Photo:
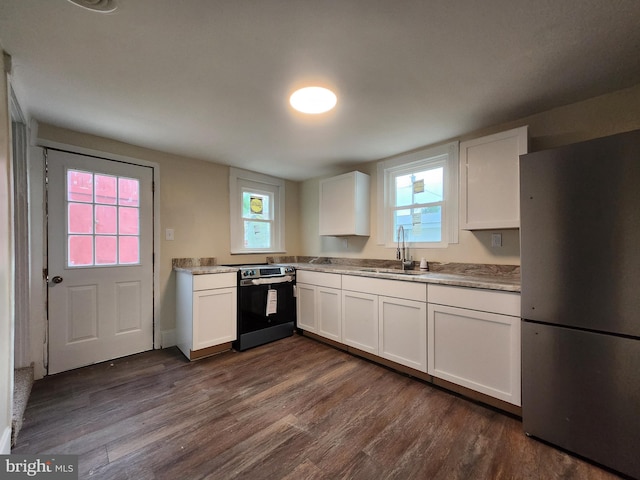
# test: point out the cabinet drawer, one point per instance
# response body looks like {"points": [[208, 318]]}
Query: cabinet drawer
{"points": [[391, 288], [214, 280], [506, 303], [331, 280]]}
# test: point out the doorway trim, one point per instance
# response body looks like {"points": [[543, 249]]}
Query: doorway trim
{"points": [[44, 143], [20, 216]]}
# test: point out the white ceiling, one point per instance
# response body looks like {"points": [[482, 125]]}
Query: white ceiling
{"points": [[210, 79]]}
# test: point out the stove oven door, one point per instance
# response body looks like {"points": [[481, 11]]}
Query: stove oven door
{"points": [[258, 309]]}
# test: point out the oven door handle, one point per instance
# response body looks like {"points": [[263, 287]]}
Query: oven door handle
{"points": [[267, 281]]}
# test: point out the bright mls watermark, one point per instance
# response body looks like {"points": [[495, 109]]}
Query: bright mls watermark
{"points": [[51, 467]]}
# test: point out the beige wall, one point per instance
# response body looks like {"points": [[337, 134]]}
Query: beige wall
{"points": [[194, 201], [597, 117], [6, 269]]}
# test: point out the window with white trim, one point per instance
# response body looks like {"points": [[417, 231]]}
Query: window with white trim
{"points": [[419, 193], [257, 212]]}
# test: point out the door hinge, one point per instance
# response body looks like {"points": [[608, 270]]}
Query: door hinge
{"points": [[153, 187], [45, 274]]}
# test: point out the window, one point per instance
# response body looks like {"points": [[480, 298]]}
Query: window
{"points": [[257, 212], [103, 220], [419, 193]]}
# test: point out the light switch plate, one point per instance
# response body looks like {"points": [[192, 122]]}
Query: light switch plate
{"points": [[168, 234]]}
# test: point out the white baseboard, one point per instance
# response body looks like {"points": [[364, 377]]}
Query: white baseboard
{"points": [[5, 441], [168, 338]]}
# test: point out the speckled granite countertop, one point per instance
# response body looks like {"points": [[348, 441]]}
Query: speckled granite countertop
{"points": [[486, 281], [206, 270], [491, 277], [200, 266]]}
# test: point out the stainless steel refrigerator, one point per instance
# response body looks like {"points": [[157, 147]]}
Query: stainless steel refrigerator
{"points": [[580, 261]]}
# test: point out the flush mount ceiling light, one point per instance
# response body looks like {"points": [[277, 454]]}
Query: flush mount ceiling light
{"points": [[101, 6], [313, 100]]}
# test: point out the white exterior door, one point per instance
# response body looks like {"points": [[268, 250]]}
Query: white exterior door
{"points": [[100, 260]]}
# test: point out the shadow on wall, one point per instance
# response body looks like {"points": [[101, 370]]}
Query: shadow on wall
{"points": [[510, 242], [350, 244]]}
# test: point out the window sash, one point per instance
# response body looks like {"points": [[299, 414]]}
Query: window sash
{"points": [[445, 156], [241, 182], [391, 216]]}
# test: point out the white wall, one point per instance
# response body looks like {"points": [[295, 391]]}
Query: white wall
{"points": [[597, 117], [6, 268]]}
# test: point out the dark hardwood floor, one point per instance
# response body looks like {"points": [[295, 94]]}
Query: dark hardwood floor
{"points": [[294, 409]]}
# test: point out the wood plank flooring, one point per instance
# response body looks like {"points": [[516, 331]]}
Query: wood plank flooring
{"points": [[293, 409]]}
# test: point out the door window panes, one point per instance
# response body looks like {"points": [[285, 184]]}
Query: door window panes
{"points": [[129, 248], [106, 221], [80, 218], [79, 186], [128, 192], [106, 189], [106, 250], [103, 220], [80, 250]]}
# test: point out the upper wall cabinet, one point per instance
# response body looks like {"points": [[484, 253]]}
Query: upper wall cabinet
{"points": [[344, 204], [489, 180]]}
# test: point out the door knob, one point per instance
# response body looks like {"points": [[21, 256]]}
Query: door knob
{"points": [[57, 279]]}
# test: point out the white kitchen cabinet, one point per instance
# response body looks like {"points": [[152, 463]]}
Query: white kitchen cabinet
{"points": [[360, 321], [306, 307], [344, 205], [387, 318], [329, 313], [319, 303], [474, 339], [490, 180], [206, 313], [403, 332]]}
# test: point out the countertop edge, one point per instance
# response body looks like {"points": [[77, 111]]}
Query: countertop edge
{"points": [[206, 270], [488, 282]]}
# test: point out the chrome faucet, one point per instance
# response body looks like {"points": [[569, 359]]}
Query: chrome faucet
{"points": [[401, 253]]}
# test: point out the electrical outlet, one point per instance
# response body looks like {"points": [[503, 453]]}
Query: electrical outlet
{"points": [[168, 234], [496, 239]]}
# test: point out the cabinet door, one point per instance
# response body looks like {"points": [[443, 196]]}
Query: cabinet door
{"points": [[478, 350], [489, 180], [360, 321], [306, 307], [214, 317], [403, 332], [344, 204], [329, 313]]}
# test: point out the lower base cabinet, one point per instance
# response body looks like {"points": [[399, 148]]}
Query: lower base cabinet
{"points": [[206, 313], [387, 318], [319, 306], [403, 332], [329, 313], [473, 347], [465, 336], [360, 321], [306, 307]]}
